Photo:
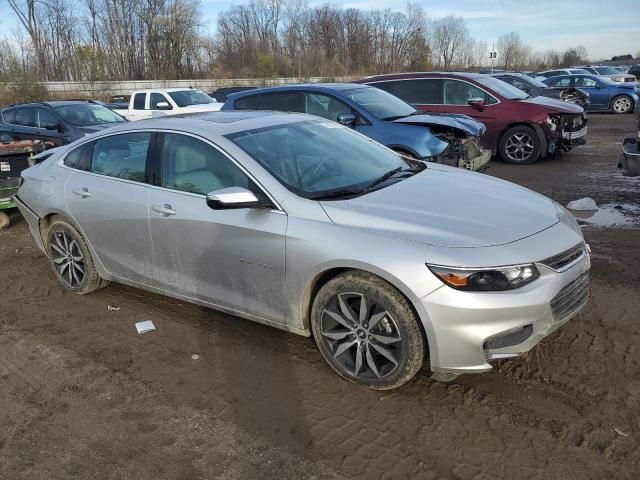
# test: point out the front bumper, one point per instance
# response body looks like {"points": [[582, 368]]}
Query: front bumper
{"points": [[470, 329]]}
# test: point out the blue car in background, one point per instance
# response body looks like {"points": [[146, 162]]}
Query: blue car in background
{"points": [[605, 95], [448, 139]]}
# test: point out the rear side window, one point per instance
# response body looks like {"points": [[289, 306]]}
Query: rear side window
{"points": [[561, 82], [246, 103], [80, 158], [9, 115], [138, 101], [122, 156], [423, 91], [284, 102]]}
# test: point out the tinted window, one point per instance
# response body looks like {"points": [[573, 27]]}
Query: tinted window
{"points": [[155, 99], [325, 106], [45, 118], [25, 117], [190, 165], [87, 114], [80, 158], [423, 91], [552, 73], [9, 115], [121, 156], [317, 156], [284, 102], [246, 103], [138, 101]]}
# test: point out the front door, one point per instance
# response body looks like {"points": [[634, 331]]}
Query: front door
{"points": [[233, 258], [109, 202]]}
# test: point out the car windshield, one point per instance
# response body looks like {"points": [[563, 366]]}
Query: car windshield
{"points": [[379, 103], [314, 158], [606, 71], [87, 114], [502, 88], [530, 80], [184, 98]]}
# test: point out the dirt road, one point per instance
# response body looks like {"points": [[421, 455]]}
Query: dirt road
{"points": [[209, 396]]}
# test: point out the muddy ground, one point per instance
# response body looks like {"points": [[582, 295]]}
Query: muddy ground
{"points": [[209, 395]]}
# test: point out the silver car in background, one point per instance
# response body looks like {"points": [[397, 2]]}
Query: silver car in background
{"points": [[306, 225]]}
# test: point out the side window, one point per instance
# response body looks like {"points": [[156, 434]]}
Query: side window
{"points": [[284, 102], [155, 99], [562, 82], [324, 106], [121, 156], [190, 165], [9, 115], [25, 117], [423, 91], [138, 101], [44, 119], [246, 103], [80, 158], [585, 82], [459, 93]]}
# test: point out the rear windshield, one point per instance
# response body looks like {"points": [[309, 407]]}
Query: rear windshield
{"points": [[502, 88]]}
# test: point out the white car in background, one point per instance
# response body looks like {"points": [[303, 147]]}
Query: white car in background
{"points": [[561, 71], [610, 72], [161, 102]]}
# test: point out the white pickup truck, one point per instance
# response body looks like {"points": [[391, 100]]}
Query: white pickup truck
{"points": [[160, 102]]}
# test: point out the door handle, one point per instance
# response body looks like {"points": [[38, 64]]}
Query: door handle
{"points": [[164, 209], [83, 192]]}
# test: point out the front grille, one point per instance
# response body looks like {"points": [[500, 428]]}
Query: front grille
{"points": [[561, 260], [571, 298]]}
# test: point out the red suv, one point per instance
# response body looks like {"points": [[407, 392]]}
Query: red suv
{"points": [[521, 129]]}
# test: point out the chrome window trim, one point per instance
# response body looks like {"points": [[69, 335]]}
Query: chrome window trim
{"points": [[166, 130], [498, 101]]}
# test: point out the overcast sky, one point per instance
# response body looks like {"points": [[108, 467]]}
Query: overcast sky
{"points": [[604, 28]]}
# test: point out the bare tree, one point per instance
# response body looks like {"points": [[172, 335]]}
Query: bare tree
{"points": [[448, 35]]}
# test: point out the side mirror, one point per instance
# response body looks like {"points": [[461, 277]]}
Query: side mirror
{"points": [[477, 103], [348, 119], [164, 106], [232, 197]]}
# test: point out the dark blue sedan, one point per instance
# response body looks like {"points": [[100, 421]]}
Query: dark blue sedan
{"points": [[605, 94], [449, 139]]}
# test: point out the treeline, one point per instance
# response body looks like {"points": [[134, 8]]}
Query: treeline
{"points": [[95, 40]]}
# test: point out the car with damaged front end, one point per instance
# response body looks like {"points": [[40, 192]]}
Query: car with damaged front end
{"points": [[452, 140], [305, 225]]}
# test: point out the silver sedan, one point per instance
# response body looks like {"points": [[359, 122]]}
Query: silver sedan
{"points": [[305, 225]]}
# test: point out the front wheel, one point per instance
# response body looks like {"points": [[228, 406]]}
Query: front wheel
{"points": [[71, 259], [622, 104], [519, 145], [367, 331]]}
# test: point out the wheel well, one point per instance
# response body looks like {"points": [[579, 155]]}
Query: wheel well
{"points": [[320, 280], [46, 222]]}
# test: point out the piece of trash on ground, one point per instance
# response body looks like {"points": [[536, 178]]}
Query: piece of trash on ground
{"points": [[586, 203], [145, 327], [195, 356], [113, 307]]}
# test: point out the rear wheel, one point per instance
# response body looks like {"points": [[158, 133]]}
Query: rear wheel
{"points": [[71, 259], [622, 104], [367, 331], [519, 145]]}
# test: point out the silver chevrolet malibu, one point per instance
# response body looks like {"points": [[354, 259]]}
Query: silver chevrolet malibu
{"points": [[305, 225]]}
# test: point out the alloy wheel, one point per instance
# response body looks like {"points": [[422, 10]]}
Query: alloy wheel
{"points": [[363, 337], [67, 259], [519, 147], [622, 105]]}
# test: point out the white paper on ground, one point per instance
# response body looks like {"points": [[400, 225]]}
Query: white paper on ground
{"points": [[144, 327], [586, 203]]}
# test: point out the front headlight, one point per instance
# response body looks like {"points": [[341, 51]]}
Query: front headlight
{"points": [[494, 279]]}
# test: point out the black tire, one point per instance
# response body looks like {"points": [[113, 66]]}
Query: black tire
{"points": [[66, 246], [622, 104], [519, 145], [393, 331]]}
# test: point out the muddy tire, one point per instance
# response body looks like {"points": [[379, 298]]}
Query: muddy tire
{"points": [[367, 331], [71, 259], [622, 104], [519, 145], [5, 221]]}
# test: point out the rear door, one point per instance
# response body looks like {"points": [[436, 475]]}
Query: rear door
{"points": [[139, 107], [232, 258], [108, 195]]}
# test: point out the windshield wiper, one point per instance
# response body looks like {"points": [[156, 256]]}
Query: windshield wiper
{"points": [[335, 194], [391, 173]]}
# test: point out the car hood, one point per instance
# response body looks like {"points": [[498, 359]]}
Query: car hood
{"points": [[448, 207], [557, 106], [458, 122]]}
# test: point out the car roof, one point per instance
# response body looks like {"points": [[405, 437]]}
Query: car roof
{"points": [[316, 87], [218, 123], [390, 76], [53, 103], [162, 89]]}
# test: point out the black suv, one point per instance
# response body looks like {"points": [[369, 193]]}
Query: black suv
{"points": [[635, 71], [56, 123]]}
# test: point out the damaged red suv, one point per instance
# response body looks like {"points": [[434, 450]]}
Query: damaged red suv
{"points": [[521, 129]]}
